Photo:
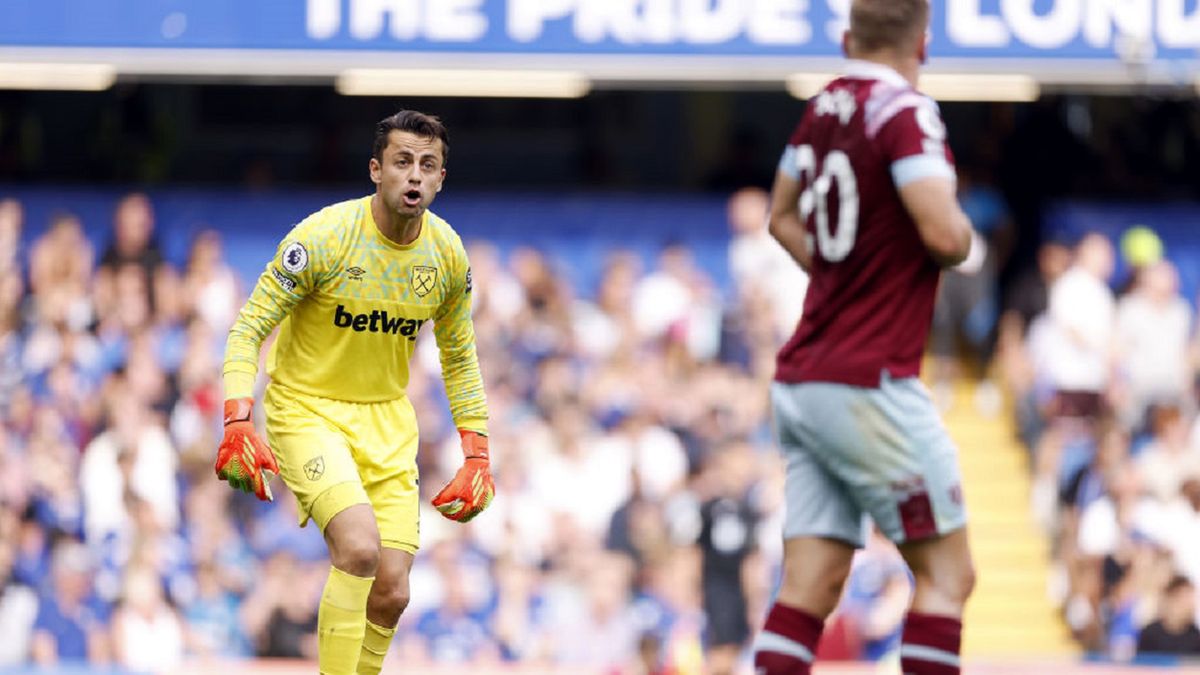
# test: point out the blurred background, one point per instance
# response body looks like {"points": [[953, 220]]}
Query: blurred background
{"points": [[608, 171]]}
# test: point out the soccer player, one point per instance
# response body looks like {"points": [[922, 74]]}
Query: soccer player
{"points": [[350, 288], [864, 199]]}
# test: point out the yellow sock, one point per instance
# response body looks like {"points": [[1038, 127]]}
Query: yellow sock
{"points": [[341, 620], [374, 649]]}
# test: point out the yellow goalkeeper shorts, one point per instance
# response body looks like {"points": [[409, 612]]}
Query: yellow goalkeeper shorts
{"points": [[335, 454]]}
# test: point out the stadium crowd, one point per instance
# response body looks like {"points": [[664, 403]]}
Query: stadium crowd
{"points": [[1104, 375], [639, 490], [636, 528]]}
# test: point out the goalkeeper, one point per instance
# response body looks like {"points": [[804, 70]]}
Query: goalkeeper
{"points": [[350, 288]]}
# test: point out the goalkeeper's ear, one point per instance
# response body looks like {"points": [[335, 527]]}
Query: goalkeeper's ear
{"points": [[375, 169]]}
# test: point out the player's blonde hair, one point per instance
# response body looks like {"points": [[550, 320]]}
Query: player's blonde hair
{"points": [[877, 25]]}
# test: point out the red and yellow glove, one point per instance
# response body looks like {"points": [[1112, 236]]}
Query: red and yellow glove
{"points": [[471, 490], [243, 459]]}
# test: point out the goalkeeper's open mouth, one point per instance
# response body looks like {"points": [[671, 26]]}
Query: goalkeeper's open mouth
{"points": [[412, 198]]}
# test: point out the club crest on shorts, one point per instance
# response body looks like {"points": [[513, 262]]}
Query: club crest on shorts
{"points": [[423, 279], [314, 468]]}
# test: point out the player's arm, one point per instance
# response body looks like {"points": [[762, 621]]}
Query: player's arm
{"points": [[786, 224], [914, 142], [243, 458], [944, 228], [471, 489]]}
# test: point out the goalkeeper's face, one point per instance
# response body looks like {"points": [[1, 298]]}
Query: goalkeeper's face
{"points": [[410, 172]]}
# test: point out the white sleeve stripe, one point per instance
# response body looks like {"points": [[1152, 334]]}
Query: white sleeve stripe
{"points": [[787, 163], [881, 116], [914, 168], [930, 654], [773, 642]]}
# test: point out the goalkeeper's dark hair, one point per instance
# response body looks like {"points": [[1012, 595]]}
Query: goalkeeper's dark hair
{"points": [[887, 24], [427, 126]]}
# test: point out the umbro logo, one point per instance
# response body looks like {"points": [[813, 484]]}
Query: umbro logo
{"points": [[356, 273]]}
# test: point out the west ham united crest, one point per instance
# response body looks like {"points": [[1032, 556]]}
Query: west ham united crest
{"points": [[314, 468], [423, 279]]}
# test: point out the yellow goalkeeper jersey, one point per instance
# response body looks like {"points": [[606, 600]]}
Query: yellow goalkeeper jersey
{"points": [[349, 303]]}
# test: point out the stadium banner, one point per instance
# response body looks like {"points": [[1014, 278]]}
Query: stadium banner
{"points": [[1146, 30]]}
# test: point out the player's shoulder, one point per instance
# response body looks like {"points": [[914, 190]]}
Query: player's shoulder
{"points": [[443, 235], [878, 91], [338, 215], [888, 102], [333, 220], [323, 236], [331, 228]]}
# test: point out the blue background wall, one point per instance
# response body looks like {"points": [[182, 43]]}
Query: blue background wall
{"points": [[576, 230]]}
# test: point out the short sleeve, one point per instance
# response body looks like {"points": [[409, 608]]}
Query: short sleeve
{"points": [[788, 164], [913, 141]]}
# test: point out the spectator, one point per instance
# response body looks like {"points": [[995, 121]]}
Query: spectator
{"points": [[676, 304], [1153, 331], [134, 454], [1179, 528], [1081, 313], [133, 246], [966, 310], [147, 634], [758, 264], [12, 290], [595, 625], [1175, 631], [580, 465], [608, 330], [455, 630], [281, 610], [726, 541], [518, 621], [12, 219], [1029, 296], [71, 625], [638, 529], [1168, 459], [18, 607], [213, 618], [210, 287], [650, 657], [60, 273]]}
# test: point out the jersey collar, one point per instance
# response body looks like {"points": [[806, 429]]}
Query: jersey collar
{"points": [[868, 70], [388, 242]]}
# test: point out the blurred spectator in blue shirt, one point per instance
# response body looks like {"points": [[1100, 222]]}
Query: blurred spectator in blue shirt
{"points": [[454, 631], [71, 621]]}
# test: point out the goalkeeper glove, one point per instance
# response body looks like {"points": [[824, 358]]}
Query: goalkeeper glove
{"points": [[471, 490], [243, 459]]}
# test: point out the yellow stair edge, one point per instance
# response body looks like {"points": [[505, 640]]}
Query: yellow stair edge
{"points": [[1010, 613]]}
